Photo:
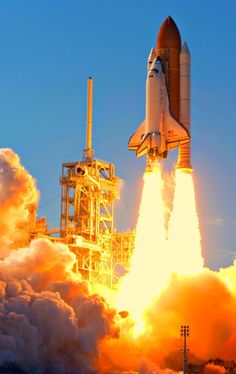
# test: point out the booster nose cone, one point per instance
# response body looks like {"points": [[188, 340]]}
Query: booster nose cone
{"points": [[185, 49], [169, 35]]}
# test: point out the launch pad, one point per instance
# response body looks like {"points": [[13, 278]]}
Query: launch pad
{"points": [[168, 242], [90, 187]]}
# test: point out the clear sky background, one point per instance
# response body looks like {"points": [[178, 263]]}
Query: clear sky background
{"points": [[48, 48]]}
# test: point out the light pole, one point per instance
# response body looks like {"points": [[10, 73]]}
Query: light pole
{"points": [[184, 332]]}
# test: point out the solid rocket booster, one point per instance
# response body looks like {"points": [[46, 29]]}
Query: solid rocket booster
{"points": [[184, 159]]}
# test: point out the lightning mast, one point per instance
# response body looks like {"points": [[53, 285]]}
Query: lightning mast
{"points": [[88, 152]]}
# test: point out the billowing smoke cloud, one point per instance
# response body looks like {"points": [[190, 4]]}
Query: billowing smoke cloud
{"points": [[205, 303], [18, 196], [49, 321], [56, 329], [214, 369]]}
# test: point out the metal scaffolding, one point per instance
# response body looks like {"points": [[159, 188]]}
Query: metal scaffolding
{"points": [[89, 189], [122, 248]]}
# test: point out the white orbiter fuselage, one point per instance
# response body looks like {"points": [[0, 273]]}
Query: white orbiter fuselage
{"points": [[160, 131]]}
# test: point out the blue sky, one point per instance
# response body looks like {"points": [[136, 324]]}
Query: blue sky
{"points": [[47, 51]]}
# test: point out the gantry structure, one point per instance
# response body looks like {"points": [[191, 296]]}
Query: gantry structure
{"points": [[89, 189], [122, 248]]}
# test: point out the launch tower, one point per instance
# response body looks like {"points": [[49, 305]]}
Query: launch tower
{"points": [[89, 189]]}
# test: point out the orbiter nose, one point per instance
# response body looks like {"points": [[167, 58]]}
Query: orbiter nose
{"points": [[157, 65], [151, 58]]}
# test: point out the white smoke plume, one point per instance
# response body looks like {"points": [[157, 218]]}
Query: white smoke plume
{"points": [[18, 194], [49, 323]]}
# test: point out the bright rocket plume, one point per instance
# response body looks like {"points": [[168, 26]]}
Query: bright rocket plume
{"points": [[184, 238], [158, 254], [188, 293], [149, 263]]}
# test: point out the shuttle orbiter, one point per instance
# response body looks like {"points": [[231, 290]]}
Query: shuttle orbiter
{"points": [[160, 131]]}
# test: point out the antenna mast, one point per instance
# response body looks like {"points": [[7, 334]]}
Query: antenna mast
{"points": [[88, 152]]}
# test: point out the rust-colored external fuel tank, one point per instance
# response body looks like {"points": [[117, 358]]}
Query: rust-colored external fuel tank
{"points": [[168, 48]]}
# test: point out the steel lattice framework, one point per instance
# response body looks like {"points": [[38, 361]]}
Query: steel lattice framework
{"points": [[89, 190]]}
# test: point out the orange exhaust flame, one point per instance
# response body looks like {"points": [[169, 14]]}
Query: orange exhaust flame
{"points": [[184, 238], [149, 263], [155, 258]]}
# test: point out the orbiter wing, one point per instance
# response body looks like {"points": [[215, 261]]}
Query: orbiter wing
{"points": [[137, 138], [177, 134]]}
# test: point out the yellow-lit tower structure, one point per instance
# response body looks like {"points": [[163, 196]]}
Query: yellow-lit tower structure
{"points": [[89, 189]]}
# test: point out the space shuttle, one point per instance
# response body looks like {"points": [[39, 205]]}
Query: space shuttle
{"points": [[160, 131], [167, 122]]}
